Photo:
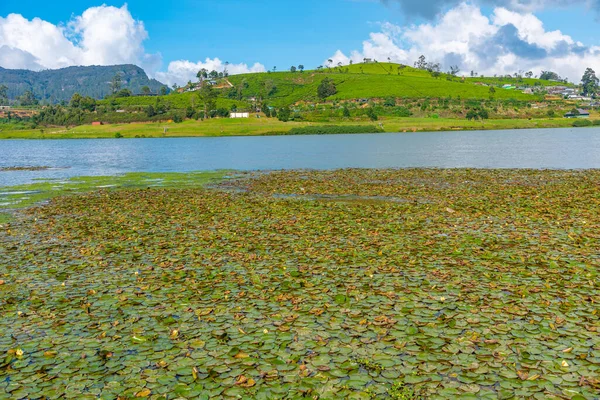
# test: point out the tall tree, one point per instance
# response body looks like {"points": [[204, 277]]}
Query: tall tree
{"points": [[28, 99], [292, 69], [454, 70], [421, 63], [207, 97], [589, 82], [226, 71], [146, 90], [3, 94], [301, 68], [202, 74]]}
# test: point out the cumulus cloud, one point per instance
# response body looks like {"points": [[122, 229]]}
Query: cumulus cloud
{"points": [[431, 8], [503, 43], [103, 35], [182, 71]]}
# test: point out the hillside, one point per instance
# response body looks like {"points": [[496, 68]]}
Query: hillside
{"points": [[54, 86], [354, 82], [367, 81]]}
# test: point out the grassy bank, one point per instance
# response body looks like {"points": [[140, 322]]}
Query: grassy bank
{"points": [[397, 284], [263, 126]]}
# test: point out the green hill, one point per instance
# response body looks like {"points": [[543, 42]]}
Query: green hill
{"points": [[359, 81], [54, 86]]}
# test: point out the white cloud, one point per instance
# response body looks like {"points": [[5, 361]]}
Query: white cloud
{"points": [[504, 43], [182, 71], [103, 35]]}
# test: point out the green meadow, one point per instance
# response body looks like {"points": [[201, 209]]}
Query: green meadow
{"points": [[269, 126]]}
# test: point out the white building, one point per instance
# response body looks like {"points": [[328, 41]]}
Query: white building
{"points": [[240, 115]]}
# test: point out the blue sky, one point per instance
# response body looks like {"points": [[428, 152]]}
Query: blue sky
{"points": [[271, 32], [285, 33]]}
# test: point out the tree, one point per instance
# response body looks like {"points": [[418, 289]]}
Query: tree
{"points": [[472, 114], [146, 90], [326, 88], [284, 114], [454, 70], [75, 100], [529, 74], [372, 114], [421, 63], [301, 68], [117, 83], [226, 71], [207, 97], [163, 91], [213, 74], [150, 111], [492, 91], [3, 94], [202, 74], [28, 99], [346, 112], [589, 82], [292, 69], [549, 76]]}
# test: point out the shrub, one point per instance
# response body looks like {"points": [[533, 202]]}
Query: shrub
{"points": [[284, 114], [334, 129], [371, 114], [346, 112], [403, 112], [580, 123], [118, 135], [326, 88]]}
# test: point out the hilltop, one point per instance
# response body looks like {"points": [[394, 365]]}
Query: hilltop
{"points": [[54, 86]]}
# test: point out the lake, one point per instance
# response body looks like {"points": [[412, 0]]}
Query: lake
{"points": [[536, 148]]}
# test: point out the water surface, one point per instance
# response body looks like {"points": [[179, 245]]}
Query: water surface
{"points": [[536, 148]]}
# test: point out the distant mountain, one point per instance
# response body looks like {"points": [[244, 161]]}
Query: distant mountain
{"points": [[57, 85]]}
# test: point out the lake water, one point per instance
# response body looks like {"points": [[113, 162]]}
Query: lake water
{"points": [[536, 148]]}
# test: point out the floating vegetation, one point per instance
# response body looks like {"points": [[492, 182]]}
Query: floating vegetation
{"points": [[482, 284], [30, 168]]}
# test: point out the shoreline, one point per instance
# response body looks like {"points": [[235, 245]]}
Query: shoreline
{"points": [[250, 127]]}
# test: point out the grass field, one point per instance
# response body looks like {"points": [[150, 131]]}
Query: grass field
{"points": [[365, 284], [263, 126]]}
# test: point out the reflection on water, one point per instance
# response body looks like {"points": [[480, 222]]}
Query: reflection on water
{"points": [[537, 148]]}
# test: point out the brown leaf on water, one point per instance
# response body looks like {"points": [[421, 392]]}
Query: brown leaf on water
{"points": [[143, 393], [245, 382]]}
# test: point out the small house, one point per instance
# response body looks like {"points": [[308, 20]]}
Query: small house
{"points": [[97, 123], [581, 114], [4, 108], [239, 115]]}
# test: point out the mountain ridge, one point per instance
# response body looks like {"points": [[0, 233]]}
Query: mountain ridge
{"points": [[56, 85]]}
